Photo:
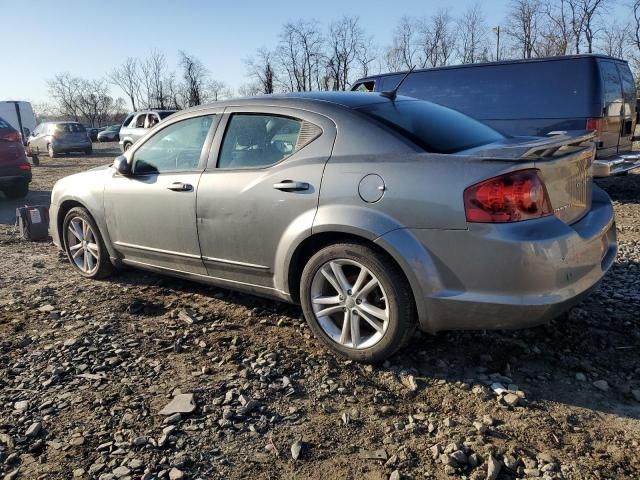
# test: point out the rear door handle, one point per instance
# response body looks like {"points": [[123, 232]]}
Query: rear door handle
{"points": [[180, 187], [291, 186]]}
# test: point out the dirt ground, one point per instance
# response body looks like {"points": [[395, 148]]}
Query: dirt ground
{"points": [[86, 367]]}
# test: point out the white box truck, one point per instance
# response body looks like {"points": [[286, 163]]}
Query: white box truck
{"points": [[19, 115]]}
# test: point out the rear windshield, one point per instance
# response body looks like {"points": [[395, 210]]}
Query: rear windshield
{"points": [[433, 127], [70, 128], [541, 89], [164, 115]]}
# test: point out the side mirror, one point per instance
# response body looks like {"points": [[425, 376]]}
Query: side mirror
{"points": [[121, 165]]}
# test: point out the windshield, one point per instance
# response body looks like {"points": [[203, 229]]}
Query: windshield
{"points": [[433, 127]]}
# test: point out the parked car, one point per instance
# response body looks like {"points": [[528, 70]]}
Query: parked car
{"points": [[536, 97], [15, 170], [376, 214], [55, 138], [138, 123], [110, 134], [19, 115], [92, 132]]}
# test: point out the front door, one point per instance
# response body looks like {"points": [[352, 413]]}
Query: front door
{"points": [[261, 186], [151, 213]]}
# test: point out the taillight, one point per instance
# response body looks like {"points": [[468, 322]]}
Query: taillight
{"points": [[513, 197], [594, 124], [11, 136], [24, 167]]}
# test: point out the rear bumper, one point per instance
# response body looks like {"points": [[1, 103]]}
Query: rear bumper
{"points": [[621, 163], [512, 275], [71, 147]]}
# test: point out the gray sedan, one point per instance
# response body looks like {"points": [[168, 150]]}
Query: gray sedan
{"points": [[378, 215]]}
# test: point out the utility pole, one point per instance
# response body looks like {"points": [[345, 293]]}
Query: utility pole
{"points": [[497, 31]]}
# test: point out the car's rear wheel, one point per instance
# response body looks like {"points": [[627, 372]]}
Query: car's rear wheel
{"points": [[17, 190], [51, 151], [357, 301], [84, 245]]}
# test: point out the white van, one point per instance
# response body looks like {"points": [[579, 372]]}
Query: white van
{"points": [[20, 116]]}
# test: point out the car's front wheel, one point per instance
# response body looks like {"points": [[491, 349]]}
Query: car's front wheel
{"points": [[17, 190], [84, 245], [126, 146], [357, 301]]}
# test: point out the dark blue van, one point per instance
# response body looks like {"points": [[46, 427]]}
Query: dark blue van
{"points": [[536, 97]]}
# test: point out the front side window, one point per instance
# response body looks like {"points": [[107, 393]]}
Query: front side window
{"points": [[256, 141], [175, 148]]}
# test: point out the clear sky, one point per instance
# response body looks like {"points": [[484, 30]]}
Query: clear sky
{"points": [[89, 38]]}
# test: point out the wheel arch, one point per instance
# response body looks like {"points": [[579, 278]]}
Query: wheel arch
{"points": [[70, 203], [399, 245]]}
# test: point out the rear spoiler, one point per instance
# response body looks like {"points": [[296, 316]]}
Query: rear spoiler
{"points": [[555, 144]]}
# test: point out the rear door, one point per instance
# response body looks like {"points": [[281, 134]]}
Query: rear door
{"points": [[611, 125], [261, 184]]}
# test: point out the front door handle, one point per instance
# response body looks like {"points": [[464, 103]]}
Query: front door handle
{"points": [[291, 186], [180, 187]]}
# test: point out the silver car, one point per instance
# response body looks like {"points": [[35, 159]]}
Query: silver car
{"points": [[137, 124], [377, 215], [55, 138]]}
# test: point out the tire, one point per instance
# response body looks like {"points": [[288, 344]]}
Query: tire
{"points": [[35, 159], [126, 146], [97, 264], [52, 153], [19, 190], [88, 151], [390, 299]]}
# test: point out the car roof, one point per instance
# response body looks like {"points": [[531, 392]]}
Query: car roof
{"points": [[349, 100], [501, 62]]}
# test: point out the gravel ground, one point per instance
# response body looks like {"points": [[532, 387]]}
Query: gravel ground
{"points": [[144, 376]]}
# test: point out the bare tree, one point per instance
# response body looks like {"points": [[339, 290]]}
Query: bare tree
{"points": [[155, 67], [345, 42], [367, 56], [300, 53], [437, 39], [249, 90], [615, 39], [524, 20], [592, 9], [404, 51], [217, 90], [195, 75], [261, 69], [66, 90], [557, 32], [127, 77], [472, 35]]}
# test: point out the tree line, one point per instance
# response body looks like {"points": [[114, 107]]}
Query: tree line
{"points": [[310, 56]]}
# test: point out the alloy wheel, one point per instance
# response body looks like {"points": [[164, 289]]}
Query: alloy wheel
{"points": [[350, 304], [82, 245]]}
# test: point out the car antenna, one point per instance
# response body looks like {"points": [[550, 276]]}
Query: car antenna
{"points": [[392, 94]]}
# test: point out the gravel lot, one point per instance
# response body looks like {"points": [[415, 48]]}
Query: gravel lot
{"points": [[86, 368]]}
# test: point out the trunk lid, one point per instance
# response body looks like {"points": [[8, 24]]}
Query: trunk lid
{"points": [[565, 163]]}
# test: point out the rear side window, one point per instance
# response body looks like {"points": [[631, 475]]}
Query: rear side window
{"points": [[164, 115], [541, 89], [628, 88], [364, 87], [433, 127], [257, 141], [611, 87]]}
